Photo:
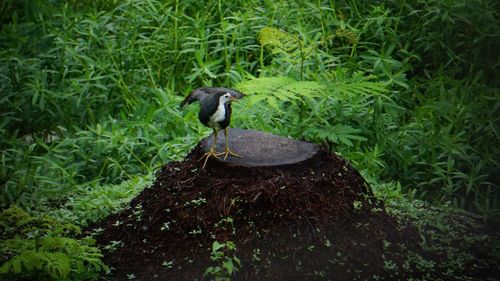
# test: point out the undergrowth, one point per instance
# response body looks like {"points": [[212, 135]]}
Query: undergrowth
{"points": [[44, 248]]}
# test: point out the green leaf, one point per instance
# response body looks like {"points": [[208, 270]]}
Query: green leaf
{"points": [[17, 265], [216, 246], [229, 266]]}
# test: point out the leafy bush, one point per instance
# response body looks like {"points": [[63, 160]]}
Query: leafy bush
{"points": [[36, 248]]}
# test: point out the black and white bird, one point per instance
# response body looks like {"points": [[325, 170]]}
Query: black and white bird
{"points": [[215, 113]]}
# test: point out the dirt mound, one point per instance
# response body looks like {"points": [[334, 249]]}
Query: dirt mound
{"points": [[297, 223], [281, 220]]}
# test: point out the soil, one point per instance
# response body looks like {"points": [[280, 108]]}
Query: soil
{"points": [[304, 222]]}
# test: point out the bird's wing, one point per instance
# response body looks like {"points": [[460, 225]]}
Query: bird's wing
{"points": [[195, 95], [201, 93]]}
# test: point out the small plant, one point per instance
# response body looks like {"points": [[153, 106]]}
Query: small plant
{"points": [[165, 226], [389, 265], [358, 205], [168, 264], [196, 202], [196, 231], [113, 246], [138, 212], [225, 223], [327, 243], [227, 262], [256, 255], [40, 248]]}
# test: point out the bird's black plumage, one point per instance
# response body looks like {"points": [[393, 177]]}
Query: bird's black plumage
{"points": [[206, 92], [210, 106], [209, 101]]}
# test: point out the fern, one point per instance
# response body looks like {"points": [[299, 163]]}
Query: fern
{"points": [[278, 40], [281, 42], [274, 90], [340, 134], [342, 83], [363, 88], [16, 221], [69, 259], [285, 89], [333, 112], [38, 249]]}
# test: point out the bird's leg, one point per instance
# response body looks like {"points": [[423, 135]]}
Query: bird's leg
{"points": [[227, 151], [211, 152]]}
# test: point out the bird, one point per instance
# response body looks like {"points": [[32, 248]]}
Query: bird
{"points": [[215, 112]]}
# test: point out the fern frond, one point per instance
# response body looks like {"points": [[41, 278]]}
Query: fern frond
{"points": [[48, 252], [278, 40], [274, 89], [361, 88], [341, 134], [57, 257]]}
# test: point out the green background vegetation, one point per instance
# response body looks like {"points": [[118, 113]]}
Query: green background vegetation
{"points": [[89, 94]]}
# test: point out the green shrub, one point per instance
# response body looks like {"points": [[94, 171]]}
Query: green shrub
{"points": [[36, 248]]}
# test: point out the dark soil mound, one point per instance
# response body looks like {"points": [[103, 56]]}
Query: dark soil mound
{"points": [[297, 223]]}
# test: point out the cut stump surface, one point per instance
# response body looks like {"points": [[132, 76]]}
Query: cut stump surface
{"points": [[261, 149]]}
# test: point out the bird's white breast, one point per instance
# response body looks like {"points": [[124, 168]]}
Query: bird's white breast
{"points": [[218, 116]]}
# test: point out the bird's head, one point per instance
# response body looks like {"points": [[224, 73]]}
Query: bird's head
{"points": [[226, 98]]}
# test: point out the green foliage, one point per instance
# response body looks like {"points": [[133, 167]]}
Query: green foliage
{"points": [[282, 42], [451, 139], [279, 40], [90, 203], [421, 129], [459, 35], [52, 258], [440, 237], [313, 103], [108, 152], [278, 90], [16, 221], [342, 134], [227, 262], [408, 92], [105, 77], [36, 248]]}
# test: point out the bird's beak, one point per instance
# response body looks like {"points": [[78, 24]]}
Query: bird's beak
{"points": [[231, 99]]}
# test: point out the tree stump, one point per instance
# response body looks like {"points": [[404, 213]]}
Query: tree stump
{"points": [[261, 149]]}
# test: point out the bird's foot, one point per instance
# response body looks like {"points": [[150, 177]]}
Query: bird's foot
{"points": [[228, 152], [207, 155]]}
